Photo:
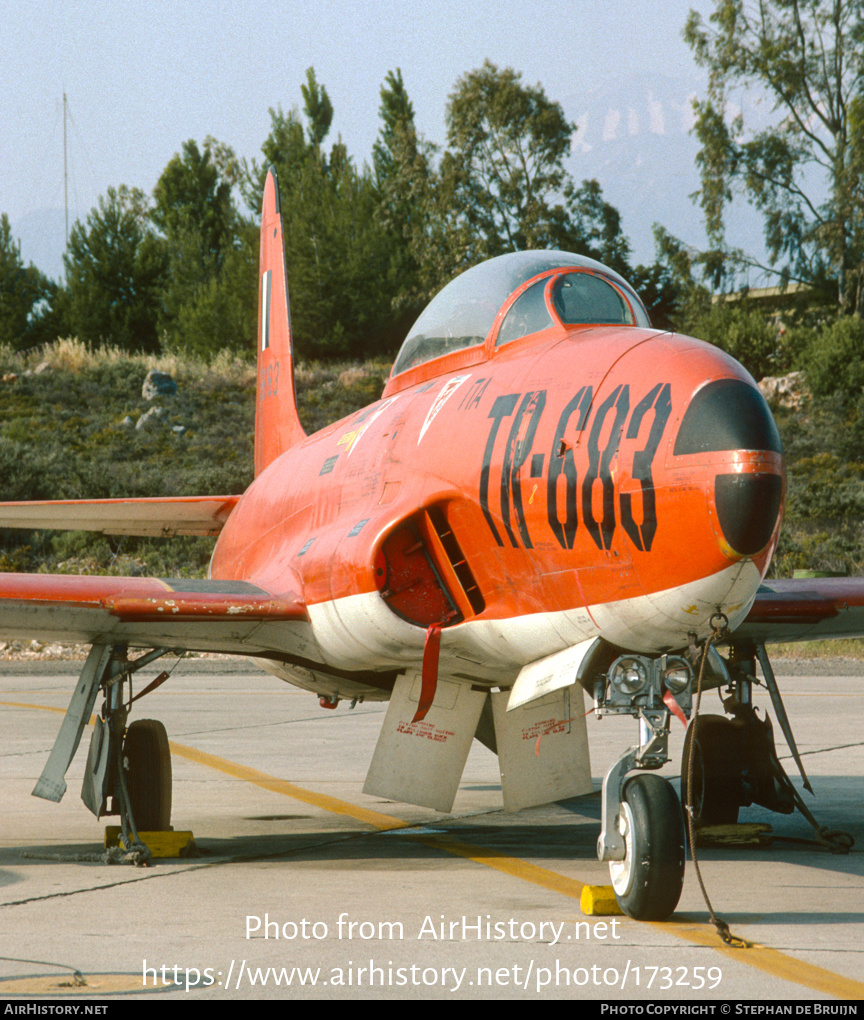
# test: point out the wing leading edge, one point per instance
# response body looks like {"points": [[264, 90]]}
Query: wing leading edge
{"points": [[207, 615], [156, 517], [806, 610]]}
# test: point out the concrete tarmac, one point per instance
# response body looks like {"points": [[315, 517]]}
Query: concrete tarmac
{"points": [[307, 888]]}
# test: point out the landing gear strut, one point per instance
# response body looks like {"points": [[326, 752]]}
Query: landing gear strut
{"points": [[128, 771]]}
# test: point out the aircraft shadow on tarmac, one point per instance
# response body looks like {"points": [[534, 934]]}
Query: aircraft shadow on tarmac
{"points": [[565, 832]]}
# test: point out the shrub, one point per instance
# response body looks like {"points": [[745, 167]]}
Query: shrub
{"points": [[834, 358], [749, 334]]}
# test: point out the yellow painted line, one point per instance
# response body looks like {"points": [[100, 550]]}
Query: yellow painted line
{"points": [[763, 958], [513, 866], [770, 961], [262, 779], [44, 708]]}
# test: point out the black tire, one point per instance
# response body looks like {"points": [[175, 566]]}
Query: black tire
{"points": [[715, 784], [649, 880], [147, 766]]}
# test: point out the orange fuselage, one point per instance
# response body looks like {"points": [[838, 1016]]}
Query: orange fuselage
{"points": [[544, 478]]}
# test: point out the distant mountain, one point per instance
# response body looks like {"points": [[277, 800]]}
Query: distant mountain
{"points": [[638, 145]]}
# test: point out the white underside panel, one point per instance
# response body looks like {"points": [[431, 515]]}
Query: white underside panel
{"points": [[542, 749], [421, 763], [360, 631]]}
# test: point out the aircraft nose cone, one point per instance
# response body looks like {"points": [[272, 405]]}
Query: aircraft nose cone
{"points": [[748, 506], [729, 423]]}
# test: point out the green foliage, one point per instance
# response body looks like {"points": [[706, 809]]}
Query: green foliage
{"points": [[191, 193], [401, 175], [318, 108], [804, 173], [220, 313], [328, 392], [746, 332], [834, 358], [337, 249], [500, 186], [397, 121], [115, 267], [823, 527], [592, 227], [366, 248], [659, 291], [62, 436], [208, 302], [508, 143]]}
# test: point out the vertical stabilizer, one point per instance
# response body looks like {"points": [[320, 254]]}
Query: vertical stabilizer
{"points": [[277, 426]]}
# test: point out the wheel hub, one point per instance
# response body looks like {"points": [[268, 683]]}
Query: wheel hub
{"points": [[621, 872]]}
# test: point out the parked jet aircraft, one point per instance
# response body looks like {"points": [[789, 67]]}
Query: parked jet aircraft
{"points": [[550, 497]]}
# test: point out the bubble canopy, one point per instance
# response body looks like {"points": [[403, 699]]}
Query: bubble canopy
{"points": [[462, 314]]}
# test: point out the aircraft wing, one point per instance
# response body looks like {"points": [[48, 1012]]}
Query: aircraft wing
{"points": [[806, 610], [202, 615], [160, 517]]}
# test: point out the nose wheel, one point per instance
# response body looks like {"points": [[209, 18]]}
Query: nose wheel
{"points": [[649, 878]]}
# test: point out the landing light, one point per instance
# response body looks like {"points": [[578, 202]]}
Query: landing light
{"points": [[629, 676], [635, 682], [677, 674]]}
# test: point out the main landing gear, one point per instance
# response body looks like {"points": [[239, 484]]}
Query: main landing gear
{"points": [[729, 763], [128, 768]]}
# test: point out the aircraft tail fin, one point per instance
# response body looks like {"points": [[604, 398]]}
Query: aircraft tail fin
{"points": [[277, 425]]}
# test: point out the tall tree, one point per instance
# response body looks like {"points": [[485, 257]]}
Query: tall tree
{"points": [[402, 173], [204, 239], [191, 193], [336, 247], [803, 172], [115, 266], [502, 184], [319, 109], [221, 312], [398, 130], [508, 143]]}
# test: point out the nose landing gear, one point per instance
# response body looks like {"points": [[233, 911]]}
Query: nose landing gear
{"points": [[642, 831]]}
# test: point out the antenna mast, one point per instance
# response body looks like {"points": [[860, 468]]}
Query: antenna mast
{"points": [[65, 173]]}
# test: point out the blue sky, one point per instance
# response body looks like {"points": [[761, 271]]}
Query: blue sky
{"points": [[141, 78]]}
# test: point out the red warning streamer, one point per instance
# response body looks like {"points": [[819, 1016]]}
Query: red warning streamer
{"points": [[673, 706], [429, 682]]}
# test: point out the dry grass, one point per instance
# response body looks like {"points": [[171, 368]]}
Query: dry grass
{"points": [[70, 354]]}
